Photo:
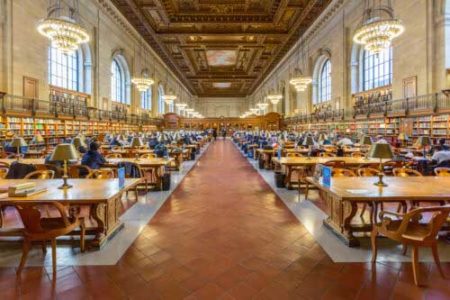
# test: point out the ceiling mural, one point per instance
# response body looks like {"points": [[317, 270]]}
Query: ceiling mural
{"points": [[221, 47]]}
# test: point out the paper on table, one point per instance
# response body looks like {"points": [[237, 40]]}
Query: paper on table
{"points": [[359, 191]]}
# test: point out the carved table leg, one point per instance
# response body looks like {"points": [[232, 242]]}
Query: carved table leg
{"points": [[99, 215], [287, 180]]}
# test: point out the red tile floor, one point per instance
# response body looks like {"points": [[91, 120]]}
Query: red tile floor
{"points": [[224, 234]]}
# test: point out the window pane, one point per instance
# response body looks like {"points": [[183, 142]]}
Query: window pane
{"points": [[377, 69], [63, 69]]}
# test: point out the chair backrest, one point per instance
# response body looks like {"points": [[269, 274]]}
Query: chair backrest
{"points": [[4, 164], [31, 215], [148, 155], [3, 172], [405, 172], [293, 154], [327, 154], [335, 163], [442, 171], [41, 174], [357, 154], [393, 164], [113, 155], [79, 171], [132, 170], [438, 218], [102, 174], [367, 172], [341, 172]]}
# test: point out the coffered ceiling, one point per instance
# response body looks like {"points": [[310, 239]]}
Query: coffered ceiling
{"points": [[221, 47]]}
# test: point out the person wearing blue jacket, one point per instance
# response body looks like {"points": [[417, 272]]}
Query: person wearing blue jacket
{"points": [[93, 159]]}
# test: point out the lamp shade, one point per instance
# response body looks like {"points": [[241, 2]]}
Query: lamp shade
{"points": [[64, 152], [423, 141], [38, 139], [309, 141], [366, 140], [136, 142], [381, 151], [322, 137], [78, 142], [18, 142], [402, 137]]}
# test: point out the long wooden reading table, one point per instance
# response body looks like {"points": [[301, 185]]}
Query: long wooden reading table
{"points": [[103, 197], [291, 162], [344, 194]]}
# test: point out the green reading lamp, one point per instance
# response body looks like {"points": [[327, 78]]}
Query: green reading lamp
{"points": [[78, 142], [136, 143], [422, 142], [64, 152], [366, 141], [18, 143], [309, 141], [402, 137], [381, 151], [38, 139]]}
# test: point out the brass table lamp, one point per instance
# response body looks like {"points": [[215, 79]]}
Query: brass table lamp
{"points": [[366, 141], [78, 142], [136, 143], [64, 152], [18, 143], [381, 151], [422, 142], [402, 137]]}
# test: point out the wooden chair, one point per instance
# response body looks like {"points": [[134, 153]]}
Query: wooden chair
{"points": [[408, 231], [405, 172], [41, 174], [442, 171], [38, 229], [79, 171], [390, 165], [4, 164], [335, 164], [366, 172], [342, 172], [357, 154], [327, 154], [3, 172], [148, 156], [102, 174], [113, 155]]}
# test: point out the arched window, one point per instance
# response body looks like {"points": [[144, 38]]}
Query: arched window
{"points": [[161, 104], [146, 99], [376, 69], [70, 71], [324, 84], [120, 90]]}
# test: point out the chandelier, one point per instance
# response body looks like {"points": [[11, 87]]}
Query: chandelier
{"points": [[63, 31], [169, 99], [253, 110], [379, 26], [181, 106], [142, 83], [262, 106], [274, 98]]}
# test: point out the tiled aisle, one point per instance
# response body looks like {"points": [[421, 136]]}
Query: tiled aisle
{"points": [[224, 234]]}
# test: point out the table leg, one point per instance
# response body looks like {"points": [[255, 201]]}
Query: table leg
{"points": [[287, 180], [107, 217]]}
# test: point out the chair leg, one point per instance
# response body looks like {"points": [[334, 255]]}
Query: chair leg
{"points": [[82, 235], [437, 260], [373, 239], [405, 249], [363, 210], [44, 247], [306, 190], [415, 264], [25, 250], [54, 255]]}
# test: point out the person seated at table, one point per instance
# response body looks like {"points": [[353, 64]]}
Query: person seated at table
{"points": [[115, 142], [92, 158], [152, 142], [344, 141], [10, 149], [443, 145], [381, 140], [339, 151], [440, 155]]}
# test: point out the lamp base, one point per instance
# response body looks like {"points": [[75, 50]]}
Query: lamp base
{"points": [[65, 185], [380, 182]]}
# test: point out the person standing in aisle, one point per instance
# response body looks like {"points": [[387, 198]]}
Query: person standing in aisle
{"points": [[214, 133]]}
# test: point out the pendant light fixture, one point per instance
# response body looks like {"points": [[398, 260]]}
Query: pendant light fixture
{"points": [[300, 81], [275, 98], [379, 26], [169, 98], [142, 83], [62, 26]]}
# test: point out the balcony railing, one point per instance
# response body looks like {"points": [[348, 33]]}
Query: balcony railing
{"points": [[30, 107]]}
